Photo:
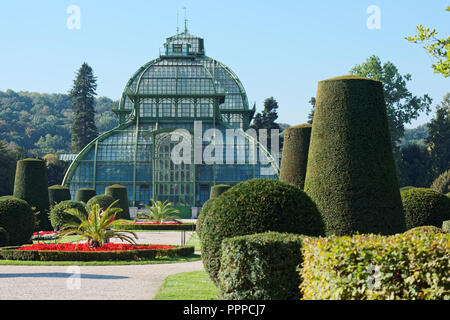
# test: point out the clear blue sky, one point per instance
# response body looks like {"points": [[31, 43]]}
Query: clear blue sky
{"points": [[277, 48]]}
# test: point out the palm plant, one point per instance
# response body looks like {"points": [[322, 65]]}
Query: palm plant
{"points": [[97, 227], [159, 212]]}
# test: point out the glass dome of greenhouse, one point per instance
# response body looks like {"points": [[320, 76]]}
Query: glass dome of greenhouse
{"points": [[182, 89]]}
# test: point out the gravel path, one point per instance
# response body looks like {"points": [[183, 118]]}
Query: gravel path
{"points": [[133, 282]]}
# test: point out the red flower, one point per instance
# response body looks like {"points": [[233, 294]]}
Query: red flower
{"points": [[85, 247]]}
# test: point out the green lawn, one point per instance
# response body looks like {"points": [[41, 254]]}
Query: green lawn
{"points": [[194, 241], [194, 285]]}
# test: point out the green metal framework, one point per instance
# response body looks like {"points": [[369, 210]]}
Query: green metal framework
{"points": [[168, 93]]}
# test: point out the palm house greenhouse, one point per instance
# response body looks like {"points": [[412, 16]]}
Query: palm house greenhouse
{"points": [[182, 91]]}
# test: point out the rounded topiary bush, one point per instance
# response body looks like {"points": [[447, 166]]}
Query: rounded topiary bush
{"points": [[425, 207], [118, 192], [103, 200], [57, 194], [84, 194], [17, 218], [217, 190], [30, 184], [59, 217], [295, 154], [256, 206], [4, 237], [406, 188], [446, 226], [424, 230], [442, 183], [351, 174]]}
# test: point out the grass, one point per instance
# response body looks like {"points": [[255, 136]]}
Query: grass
{"points": [[157, 260], [194, 285], [194, 241]]}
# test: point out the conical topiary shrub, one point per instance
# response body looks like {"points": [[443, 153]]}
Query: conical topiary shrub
{"points": [[31, 185], [217, 190], [119, 192], [351, 174], [84, 194], [57, 194], [295, 154]]}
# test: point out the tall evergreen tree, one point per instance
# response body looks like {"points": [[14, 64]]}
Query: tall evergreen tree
{"points": [[83, 95], [266, 120], [439, 137]]}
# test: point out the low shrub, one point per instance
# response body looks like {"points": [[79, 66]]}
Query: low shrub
{"points": [[256, 206], [11, 253], [406, 188], [103, 200], [375, 267], [18, 219], [425, 207], [260, 267], [446, 226], [424, 230], [4, 237], [58, 216]]}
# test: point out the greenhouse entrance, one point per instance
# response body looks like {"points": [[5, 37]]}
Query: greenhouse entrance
{"points": [[173, 182]]}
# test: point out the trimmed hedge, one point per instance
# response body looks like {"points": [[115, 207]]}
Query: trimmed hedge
{"points": [[85, 194], [406, 188], [31, 185], [256, 206], [351, 174], [119, 192], [295, 154], [260, 267], [4, 237], [58, 216], [424, 230], [376, 267], [208, 205], [446, 226], [18, 219], [442, 183], [103, 200], [425, 207], [161, 227], [10, 253], [57, 194], [217, 190]]}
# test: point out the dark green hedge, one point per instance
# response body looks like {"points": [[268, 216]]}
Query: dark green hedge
{"points": [[168, 227], [10, 253], [351, 174], [58, 216], [57, 194], [256, 206], [30, 184], [374, 267], [103, 200], [85, 194], [208, 205], [425, 207], [295, 154], [4, 237], [118, 192], [18, 219], [260, 267]]}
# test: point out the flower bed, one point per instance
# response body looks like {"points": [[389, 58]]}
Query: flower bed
{"points": [[168, 226], [85, 247], [81, 252]]}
